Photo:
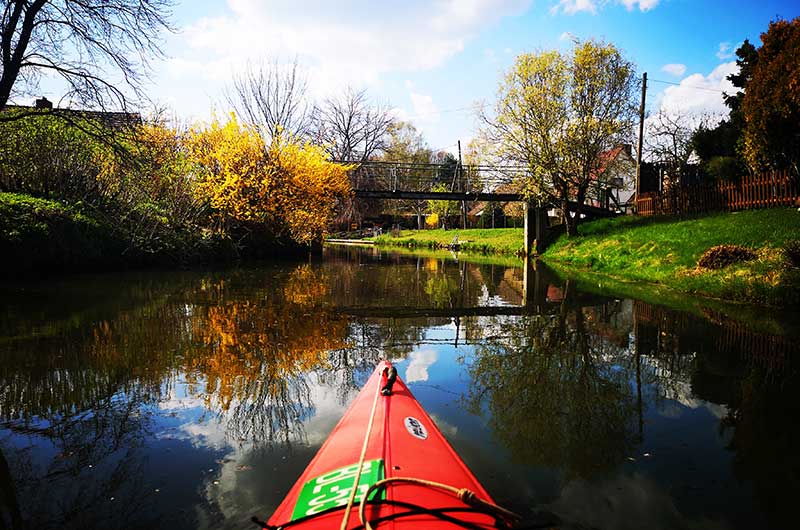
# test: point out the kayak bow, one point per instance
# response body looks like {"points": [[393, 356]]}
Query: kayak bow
{"points": [[405, 473]]}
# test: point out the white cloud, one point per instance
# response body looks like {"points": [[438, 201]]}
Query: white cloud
{"points": [[725, 51], [567, 35], [675, 69], [644, 5], [700, 94], [570, 7], [345, 44], [424, 107], [418, 367]]}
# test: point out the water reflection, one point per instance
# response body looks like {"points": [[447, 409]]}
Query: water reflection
{"points": [[193, 399]]}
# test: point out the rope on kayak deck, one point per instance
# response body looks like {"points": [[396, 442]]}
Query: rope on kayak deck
{"points": [[465, 495], [352, 498]]}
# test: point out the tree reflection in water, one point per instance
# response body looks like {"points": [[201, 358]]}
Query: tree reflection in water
{"points": [[89, 392], [557, 394], [567, 381]]}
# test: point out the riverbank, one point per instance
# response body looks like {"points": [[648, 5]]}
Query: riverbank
{"points": [[46, 236], [508, 241], [666, 250], [659, 250]]}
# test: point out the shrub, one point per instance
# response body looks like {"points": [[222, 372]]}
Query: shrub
{"points": [[725, 168], [792, 252], [723, 255]]}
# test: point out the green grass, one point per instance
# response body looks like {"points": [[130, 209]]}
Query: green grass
{"points": [[505, 260], [484, 240], [665, 251], [39, 233]]}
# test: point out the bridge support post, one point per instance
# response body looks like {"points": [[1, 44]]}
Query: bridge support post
{"points": [[534, 287], [533, 227]]}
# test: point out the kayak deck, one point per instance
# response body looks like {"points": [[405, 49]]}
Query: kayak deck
{"points": [[403, 442]]}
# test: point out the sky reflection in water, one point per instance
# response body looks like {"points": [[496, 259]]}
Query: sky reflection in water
{"points": [[195, 399]]}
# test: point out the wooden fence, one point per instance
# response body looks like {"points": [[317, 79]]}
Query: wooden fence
{"points": [[775, 188], [771, 352]]}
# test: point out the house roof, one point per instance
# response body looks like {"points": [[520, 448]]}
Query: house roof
{"points": [[607, 158], [113, 120]]}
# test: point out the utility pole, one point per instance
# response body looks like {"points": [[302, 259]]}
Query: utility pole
{"points": [[641, 138], [461, 185]]}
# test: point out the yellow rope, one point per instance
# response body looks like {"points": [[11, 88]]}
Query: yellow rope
{"points": [[465, 495], [352, 498]]}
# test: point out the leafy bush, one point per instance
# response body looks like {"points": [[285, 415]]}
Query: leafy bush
{"points": [[725, 168], [723, 255], [48, 157], [792, 252]]}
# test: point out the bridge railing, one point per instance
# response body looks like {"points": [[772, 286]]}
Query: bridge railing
{"points": [[394, 176]]}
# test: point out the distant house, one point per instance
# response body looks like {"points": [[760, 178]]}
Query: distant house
{"points": [[490, 214], [116, 121], [614, 184]]}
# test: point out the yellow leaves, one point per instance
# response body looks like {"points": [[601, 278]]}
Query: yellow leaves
{"points": [[240, 341], [232, 166], [307, 186], [432, 221], [286, 185]]}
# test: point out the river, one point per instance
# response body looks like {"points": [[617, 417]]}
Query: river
{"points": [[194, 399]]}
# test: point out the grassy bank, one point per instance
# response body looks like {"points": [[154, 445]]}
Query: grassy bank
{"points": [[665, 251], [42, 235], [485, 240], [35, 233]]}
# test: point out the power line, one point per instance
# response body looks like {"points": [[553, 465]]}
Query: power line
{"points": [[443, 148], [688, 86]]}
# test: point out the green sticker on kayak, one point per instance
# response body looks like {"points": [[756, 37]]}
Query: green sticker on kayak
{"points": [[333, 488]]}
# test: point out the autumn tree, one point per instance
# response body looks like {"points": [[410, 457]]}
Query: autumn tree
{"points": [[100, 49], [771, 104], [557, 112]]}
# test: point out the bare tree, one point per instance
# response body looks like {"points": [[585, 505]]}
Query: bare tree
{"points": [[99, 48], [354, 130], [272, 96], [668, 139], [351, 127]]}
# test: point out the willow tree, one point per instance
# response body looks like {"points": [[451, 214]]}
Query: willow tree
{"points": [[556, 113]]}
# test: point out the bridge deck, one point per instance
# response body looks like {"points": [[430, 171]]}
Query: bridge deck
{"points": [[473, 196]]}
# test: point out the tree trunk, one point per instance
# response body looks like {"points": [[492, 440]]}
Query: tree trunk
{"points": [[569, 221]]}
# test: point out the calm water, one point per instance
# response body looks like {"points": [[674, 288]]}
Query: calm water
{"points": [[195, 399]]}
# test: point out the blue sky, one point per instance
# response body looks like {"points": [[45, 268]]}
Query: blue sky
{"points": [[432, 60]]}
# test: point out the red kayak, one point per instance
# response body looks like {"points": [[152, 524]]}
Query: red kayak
{"points": [[405, 469]]}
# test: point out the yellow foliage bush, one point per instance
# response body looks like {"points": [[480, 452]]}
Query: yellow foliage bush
{"points": [[288, 186]]}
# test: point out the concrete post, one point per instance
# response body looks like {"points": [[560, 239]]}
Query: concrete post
{"points": [[534, 287], [532, 228]]}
